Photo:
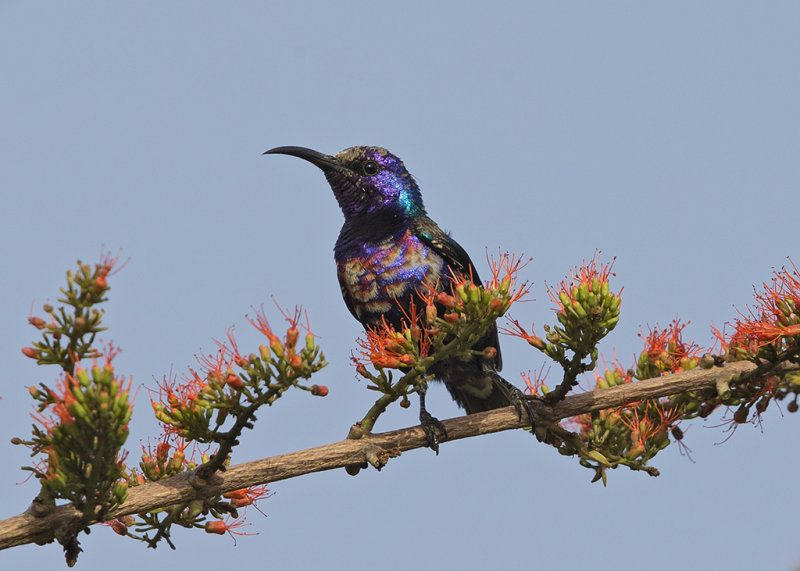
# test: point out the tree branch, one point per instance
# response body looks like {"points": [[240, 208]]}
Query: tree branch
{"points": [[375, 449]]}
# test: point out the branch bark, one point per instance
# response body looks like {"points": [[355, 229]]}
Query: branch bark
{"points": [[375, 449]]}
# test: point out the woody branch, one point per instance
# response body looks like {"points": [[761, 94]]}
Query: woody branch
{"points": [[376, 449]]}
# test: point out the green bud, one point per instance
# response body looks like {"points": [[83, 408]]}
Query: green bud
{"points": [[462, 293], [82, 376], [583, 292], [598, 457], [610, 323], [120, 492], [195, 508], [783, 307], [310, 341], [579, 310], [474, 294]]}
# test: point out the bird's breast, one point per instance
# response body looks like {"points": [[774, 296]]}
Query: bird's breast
{"points": [[381, 280]]}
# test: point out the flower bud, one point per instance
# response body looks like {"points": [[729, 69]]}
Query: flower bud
{"points": [[291, 337], [276, 346], [177, 459], [234, 381], [430, 314], [319, 390], [31, 353], [446, 300], [635, 451], [216, 526], [740, 416], [537, 342], [119, 527]]}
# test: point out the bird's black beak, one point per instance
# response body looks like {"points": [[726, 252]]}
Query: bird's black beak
{"points": [[325, 162]]}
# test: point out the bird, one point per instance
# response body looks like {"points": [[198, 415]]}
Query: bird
{"points": [[387, 250]]}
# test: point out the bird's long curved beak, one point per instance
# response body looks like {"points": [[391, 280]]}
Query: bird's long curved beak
{"points": [[325, 162]]}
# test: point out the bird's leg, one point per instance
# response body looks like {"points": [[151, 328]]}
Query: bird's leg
{"points": [[428, 422]]}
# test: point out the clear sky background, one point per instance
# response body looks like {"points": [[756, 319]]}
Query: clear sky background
{"points": [[665, 134]]}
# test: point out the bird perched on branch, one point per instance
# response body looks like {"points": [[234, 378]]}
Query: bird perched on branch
{"points": [[386, 250]]}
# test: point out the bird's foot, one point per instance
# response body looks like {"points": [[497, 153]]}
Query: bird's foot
{"points": [[522, 403], [429, 424]]}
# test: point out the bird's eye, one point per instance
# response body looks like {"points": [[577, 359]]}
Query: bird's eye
{"points": [[370, 168]]}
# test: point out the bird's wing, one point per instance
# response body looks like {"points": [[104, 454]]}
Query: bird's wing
{"points": [[457, 258]]}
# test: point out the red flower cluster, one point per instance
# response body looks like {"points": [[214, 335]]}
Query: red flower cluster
{"points": [[444, 311], [667, 351], [585, 288], [775, 317], [217, 370]]}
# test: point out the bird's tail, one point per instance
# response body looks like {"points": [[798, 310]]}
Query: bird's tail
{"points": [[479, 391]]}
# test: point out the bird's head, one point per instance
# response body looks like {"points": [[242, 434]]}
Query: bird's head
{"points": [[365, 180]]}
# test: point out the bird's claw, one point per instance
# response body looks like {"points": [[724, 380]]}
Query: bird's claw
{"points": [[522, 402], [429, 425]]}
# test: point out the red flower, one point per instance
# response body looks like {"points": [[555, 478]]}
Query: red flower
{"points": [[247, 496], [518, 330], [535, 383], [504, 275], [775, 317]]}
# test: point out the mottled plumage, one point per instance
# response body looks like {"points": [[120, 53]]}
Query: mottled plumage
{"points": [[387, 248], [379, 279]]}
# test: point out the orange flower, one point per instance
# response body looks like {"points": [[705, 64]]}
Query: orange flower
{"points": [[105, 267], [248, 496], [518, 330]]}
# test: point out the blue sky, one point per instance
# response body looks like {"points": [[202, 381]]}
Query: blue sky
{"points": [[663, 134]]}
